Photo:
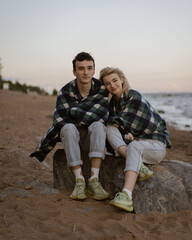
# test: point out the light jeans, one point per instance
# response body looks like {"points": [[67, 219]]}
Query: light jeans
{"points": [[70, 138], [143, 150]]}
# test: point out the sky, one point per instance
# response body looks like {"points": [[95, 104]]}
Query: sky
{"points": [[149, 40]]}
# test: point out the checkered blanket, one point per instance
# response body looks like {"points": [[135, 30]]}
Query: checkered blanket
{"points": [[135, 115], [71, 107]]}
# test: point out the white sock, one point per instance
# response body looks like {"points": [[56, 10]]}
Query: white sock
{"points": [[94, 173], [78, 173], [128, 192]]}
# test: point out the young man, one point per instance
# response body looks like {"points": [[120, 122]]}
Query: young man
{"points": [[82, 102]]}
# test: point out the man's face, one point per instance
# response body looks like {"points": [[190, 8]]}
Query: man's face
{"points": [[84, 71]]}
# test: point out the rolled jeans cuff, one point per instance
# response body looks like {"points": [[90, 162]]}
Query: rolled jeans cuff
{"points": [[80, 162], [96, 155], [133, 169]]}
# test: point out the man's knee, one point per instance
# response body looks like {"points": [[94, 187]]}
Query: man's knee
{"points": [[97, 127], [68, 129]]}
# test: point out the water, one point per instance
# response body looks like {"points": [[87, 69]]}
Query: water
{"points": [[175, 108]]}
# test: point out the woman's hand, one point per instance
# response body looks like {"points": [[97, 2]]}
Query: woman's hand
{"points": [[129, 136]]}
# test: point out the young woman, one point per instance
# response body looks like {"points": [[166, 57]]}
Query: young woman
{"points": [[135, 130]]}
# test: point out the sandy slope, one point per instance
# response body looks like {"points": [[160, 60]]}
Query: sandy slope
{"points": [[31, 209]]}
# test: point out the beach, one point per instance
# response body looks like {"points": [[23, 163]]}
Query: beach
{"points": [[30, 208]]}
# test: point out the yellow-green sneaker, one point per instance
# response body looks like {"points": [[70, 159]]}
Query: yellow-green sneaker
{"points": [[122, 201], [144, 173], [95, 189], [79, 190]]}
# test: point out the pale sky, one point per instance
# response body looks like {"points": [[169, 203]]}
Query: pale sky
{"points": [[150, 40]]}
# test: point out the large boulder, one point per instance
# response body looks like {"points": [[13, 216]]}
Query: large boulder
{"points": [[169, 188]]}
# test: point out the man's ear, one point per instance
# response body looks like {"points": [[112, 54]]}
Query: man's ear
{"points": [[74, 73]]}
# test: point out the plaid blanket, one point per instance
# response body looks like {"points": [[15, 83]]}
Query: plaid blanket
{"points": [[135, 115], [71, 107]]}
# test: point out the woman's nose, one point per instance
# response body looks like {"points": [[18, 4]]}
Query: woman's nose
{"points": [[112, 84]]}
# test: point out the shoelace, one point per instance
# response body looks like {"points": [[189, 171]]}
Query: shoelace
{"points": [[120, 195], [144, 170], [98, 185], [79, 186]]}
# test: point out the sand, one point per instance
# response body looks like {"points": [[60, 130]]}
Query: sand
{"points": [[31, 209]]}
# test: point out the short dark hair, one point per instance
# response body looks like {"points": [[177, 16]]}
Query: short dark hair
{"points": [[82, 57]]}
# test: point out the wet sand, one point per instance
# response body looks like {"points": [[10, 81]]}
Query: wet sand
{"points": [[31, 209]]}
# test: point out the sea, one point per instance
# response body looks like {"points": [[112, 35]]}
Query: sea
{"points": [[174, 108]]}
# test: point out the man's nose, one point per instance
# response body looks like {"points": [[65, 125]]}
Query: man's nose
{"points": [[85, 71]]}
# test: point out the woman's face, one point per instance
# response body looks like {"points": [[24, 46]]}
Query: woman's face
{"points": [[113, 84]]}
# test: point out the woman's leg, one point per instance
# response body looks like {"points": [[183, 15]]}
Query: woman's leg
{"points": [[116, 141], [130, 180], [153, 151], [123, 199], [147, 151]]}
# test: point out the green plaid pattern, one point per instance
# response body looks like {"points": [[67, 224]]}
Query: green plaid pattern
{"points": [[71, 107], [135, 115]]}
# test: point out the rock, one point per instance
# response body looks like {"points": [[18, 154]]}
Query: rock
{"points": [[161, 111], [62, 174], [48, 190], [28, 187], [168, 190], [18, 191]]}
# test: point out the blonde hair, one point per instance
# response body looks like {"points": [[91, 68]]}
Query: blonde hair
{"points": [[108, 70]]}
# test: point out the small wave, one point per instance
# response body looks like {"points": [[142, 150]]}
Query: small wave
{"points": [[176, 109]]}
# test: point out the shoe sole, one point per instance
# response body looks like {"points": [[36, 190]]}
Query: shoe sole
{"points": [[128, 209], [146, 177], [99, 199], [78, 198]]}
